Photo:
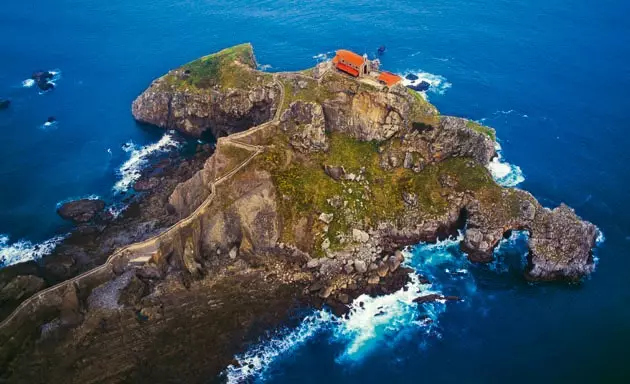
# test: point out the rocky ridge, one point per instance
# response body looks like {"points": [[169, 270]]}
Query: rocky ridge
{"points": [[313, 207]]}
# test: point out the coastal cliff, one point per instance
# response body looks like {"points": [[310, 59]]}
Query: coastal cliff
{"points": [[317, 182]]}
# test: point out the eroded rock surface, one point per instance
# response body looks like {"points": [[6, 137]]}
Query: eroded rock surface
{"points": [[81, 211]]}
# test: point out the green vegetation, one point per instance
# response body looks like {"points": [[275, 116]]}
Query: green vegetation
{"points": [[310, 91], [482, 129], [422, 111], [305, 190], [230, 68]]}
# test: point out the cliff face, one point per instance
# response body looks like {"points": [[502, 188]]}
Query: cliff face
{"points": [[221, 93], [311, 206]]}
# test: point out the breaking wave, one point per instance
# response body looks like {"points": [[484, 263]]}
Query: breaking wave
{"points": [[139, 158], [504, 173], [69, 199], [255, 361], [372, 323], [24, 250], [436, 84], [28, 83], [323, 56]]}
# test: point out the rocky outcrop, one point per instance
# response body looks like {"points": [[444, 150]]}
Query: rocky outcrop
{"points": [[81, 211], [368, 114], [304, 124], [182, 100]]}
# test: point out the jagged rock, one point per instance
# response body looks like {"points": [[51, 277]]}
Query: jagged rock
{"points": [[146, 184], [360, 236], [42, 79], [183, 101], [359, 266], [411, 199], [70, 307], [408, 162], [304, 124], [561, 245], [343, 298], [81, 211], [133, 292], [233, 253], [21, 287], [373, 280], [382, 270], [326, 217]]}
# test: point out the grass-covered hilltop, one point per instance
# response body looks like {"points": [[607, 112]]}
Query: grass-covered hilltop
{"points": [[317, 181]]}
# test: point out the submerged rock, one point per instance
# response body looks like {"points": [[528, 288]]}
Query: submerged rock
{"points": [[81, 211], [4, 104], [42, 79]]}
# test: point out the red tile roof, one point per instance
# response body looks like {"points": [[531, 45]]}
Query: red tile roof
{"points": [[350, 57], [389, 78], [347, 69]]}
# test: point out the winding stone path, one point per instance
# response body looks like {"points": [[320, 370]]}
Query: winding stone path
{"points": [[141, 252]]}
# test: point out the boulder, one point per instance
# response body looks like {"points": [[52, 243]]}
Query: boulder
{"points": [[336, 173], [360, 236], [360, 266], [81, 211]]}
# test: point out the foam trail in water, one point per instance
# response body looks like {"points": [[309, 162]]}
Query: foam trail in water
{"points": [[437, 84], [504, 173], [28, 83], [24, 250], [139, 157], [255, 361]]}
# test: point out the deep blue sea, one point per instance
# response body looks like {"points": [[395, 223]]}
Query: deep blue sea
{"points": [[552, 77]]}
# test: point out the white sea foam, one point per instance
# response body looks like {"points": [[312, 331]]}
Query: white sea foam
{"points": [[372, 322], [28, 83], [255, 361], [139, 157], [88, 197], [116, 209], [323, 56], [437, 84], [24, 250], [264, 67], [504, 173], [49, 126]]}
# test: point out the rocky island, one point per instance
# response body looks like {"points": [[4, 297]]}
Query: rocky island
{"points": [[317, 182]]}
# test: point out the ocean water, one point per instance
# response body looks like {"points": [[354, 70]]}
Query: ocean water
{"points": [[551, 77]]}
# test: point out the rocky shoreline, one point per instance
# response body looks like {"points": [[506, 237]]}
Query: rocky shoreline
{"points": [[321, 182]]}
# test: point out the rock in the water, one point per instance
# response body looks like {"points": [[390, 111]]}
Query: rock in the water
{"points": [[420, 87], [411, 76], [434, 297], [42, 79], [81, 211], [4, 104]]}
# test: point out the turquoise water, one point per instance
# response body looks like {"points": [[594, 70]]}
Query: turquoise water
{"points": [[550, 76]]}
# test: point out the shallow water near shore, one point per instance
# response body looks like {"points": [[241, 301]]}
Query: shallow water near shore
{"points": [[551, 78]]}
